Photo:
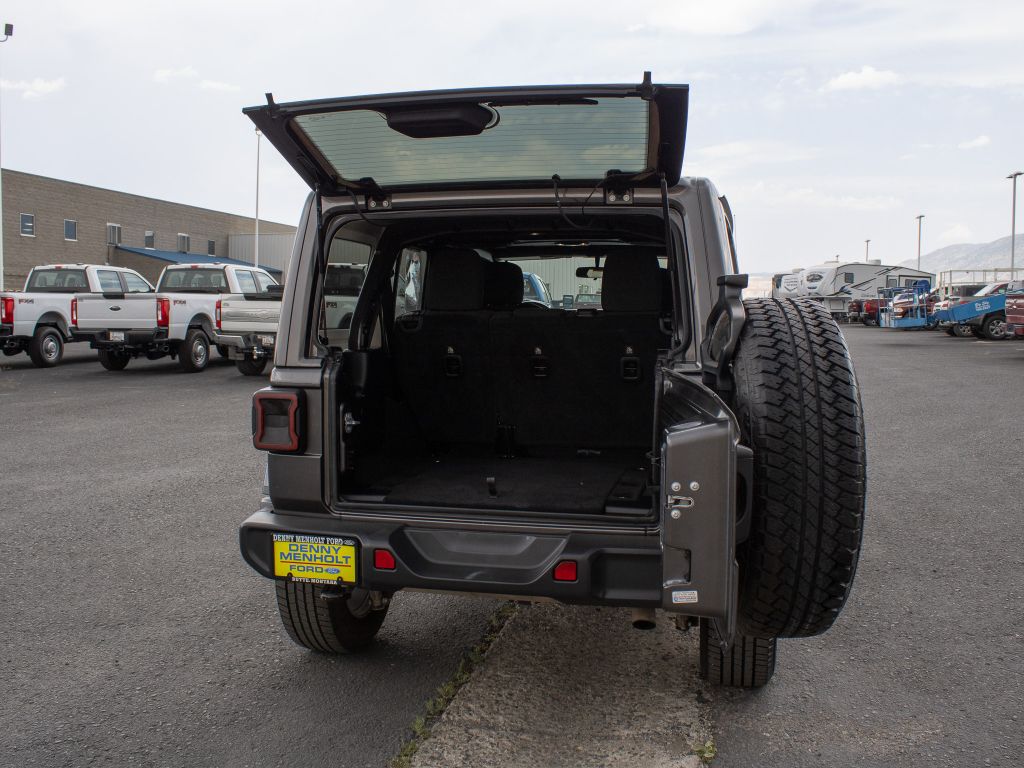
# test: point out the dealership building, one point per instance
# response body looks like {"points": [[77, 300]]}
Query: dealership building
{"points": [[50, 221]]}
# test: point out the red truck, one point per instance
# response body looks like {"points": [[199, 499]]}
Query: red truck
{"points": [[1015, 309]]}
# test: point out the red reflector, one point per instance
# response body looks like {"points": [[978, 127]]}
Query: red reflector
{"points": [[383, 560], [565, 571]]}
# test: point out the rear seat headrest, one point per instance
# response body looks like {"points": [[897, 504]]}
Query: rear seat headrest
{"points": [[504, 286], [631, 283], [455, 279]]}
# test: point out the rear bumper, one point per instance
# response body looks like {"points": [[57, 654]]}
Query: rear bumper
{"points": [[135, 341], [241, 344], [8, 340], [612, 569]]}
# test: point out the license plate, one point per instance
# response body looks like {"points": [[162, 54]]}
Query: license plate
{"points": [[315, 559], [117, 335], [266, 341]]}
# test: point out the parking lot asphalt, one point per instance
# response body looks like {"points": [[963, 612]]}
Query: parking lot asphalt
{"points": [[135, 635], [925, 667], [132, 632]]}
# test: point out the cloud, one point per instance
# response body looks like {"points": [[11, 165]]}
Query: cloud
{"points": [[804, 196], [217, 85], [980, 141], [958, 233], [868, 78], [170, 75], [732, 156], [35, 88]]}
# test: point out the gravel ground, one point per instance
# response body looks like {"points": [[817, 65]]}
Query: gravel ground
{"points": [[132, 633], [572, 686]]}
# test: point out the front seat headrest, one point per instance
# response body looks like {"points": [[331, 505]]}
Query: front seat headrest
{"points": [[631, 283], [504, 286]]}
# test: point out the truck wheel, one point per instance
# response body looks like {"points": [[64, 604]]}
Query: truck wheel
{"points": [[962, 330], [993, 328], [194, 352], [327, 624], [799, 410], [748, 663], [46, 347], [114, 361], [251, 366]]}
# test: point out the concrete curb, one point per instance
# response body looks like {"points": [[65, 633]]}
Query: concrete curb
{"points": [[572, 686]]}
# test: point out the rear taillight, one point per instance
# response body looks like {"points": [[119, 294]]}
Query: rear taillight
{"points": [[7, 310], [74, 312], [216, 315], [163, 313], [276, 416]]}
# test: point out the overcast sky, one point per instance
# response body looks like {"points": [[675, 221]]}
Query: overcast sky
{"points": [[825, 123]]}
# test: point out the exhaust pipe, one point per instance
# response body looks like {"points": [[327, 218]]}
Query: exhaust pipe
{"points": [[643, 618]]}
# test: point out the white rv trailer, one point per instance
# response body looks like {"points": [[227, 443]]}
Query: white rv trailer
{"points": [[835, 282], [786, 285]]}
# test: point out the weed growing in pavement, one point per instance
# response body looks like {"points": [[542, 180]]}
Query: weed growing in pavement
{"points": [[706, 751], [437, 704]]}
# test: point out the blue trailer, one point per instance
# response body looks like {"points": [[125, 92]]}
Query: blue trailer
{"points": [[984, 313]]}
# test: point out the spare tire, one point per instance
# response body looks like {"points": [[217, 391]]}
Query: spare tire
{"points": [[799, 410]]}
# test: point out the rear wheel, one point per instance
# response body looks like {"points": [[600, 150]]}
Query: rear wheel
{"points": [[993, 328], [962, 330], [46, 347], [114, 361], [748, 663], [194, 352], [251, 366], [322, 621], [799, 409]]}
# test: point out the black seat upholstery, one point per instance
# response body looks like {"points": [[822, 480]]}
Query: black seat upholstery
{"points": [[443, 353]]}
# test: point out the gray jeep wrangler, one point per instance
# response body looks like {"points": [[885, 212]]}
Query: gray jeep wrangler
{"points": [[670, 447]]}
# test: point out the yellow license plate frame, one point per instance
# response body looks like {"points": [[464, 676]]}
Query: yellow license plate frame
{"points": [[324, 560]]}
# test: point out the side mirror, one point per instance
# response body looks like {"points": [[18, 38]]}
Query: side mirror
{"points": [[277, 291]]}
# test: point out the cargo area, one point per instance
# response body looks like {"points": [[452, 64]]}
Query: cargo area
{"points": [[498, 398]]}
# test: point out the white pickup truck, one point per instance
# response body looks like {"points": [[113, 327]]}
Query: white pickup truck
{"points": [[178, 320], [246, 327], [41, 319]]}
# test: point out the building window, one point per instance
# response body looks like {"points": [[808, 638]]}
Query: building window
{"points": [[70, 229], [113, 234], [184, 241], [150, 239], [28, 225], [211, 247]]}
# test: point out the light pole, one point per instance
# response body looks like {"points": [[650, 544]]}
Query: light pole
{"points": [[919, 217], [867, 249], [1013, 218], [256, 243], [8, 33]]}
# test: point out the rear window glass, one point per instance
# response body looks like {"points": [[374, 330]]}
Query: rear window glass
{"points": [[58, 280], [522, 143], [194, 281], [246, 282]]}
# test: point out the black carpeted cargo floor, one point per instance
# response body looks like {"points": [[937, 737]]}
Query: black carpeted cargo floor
{"points": [[576, 484]]}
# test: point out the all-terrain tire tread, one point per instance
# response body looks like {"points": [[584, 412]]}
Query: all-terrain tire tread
{"points": [[748, 663], [798, 404]]}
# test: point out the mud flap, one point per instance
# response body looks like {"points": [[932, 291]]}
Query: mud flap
{"points": [[699, 514]]}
